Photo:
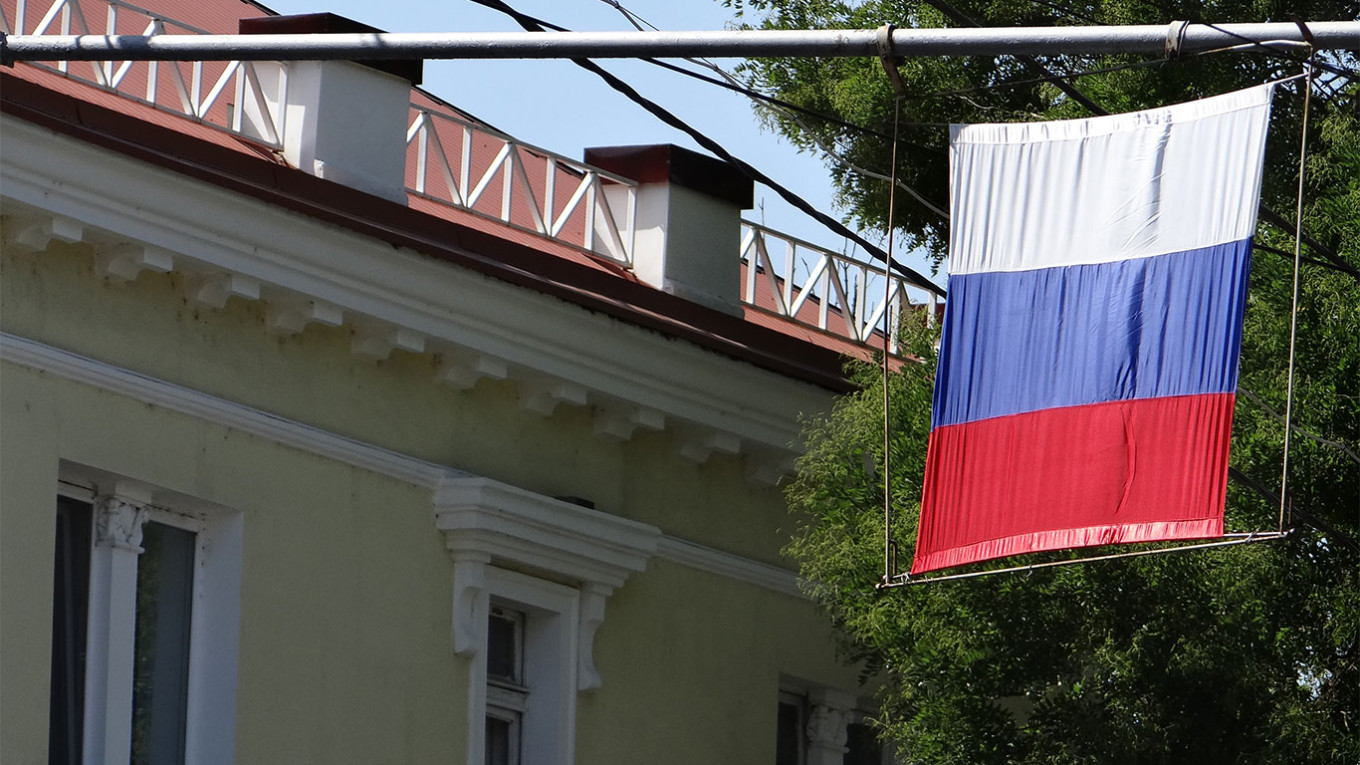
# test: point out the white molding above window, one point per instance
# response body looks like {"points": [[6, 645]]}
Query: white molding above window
{"points": [[488, 523]]}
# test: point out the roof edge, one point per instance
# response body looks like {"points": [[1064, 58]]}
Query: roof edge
{"points": [[596, 289]]}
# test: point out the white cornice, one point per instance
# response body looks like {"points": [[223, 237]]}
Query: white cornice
{"points": [[726, 564], [547, 535], [487, 523], [177, 398], [450, 487], [211, 229]]}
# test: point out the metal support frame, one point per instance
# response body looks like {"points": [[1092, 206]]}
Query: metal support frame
{"points": [[1228, 540], [980, 41]]}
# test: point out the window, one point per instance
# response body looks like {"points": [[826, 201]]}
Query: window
{"points": [[531, 575], [70, 610], [160, 665], [506, 695], [528, 670], [145, 607], [791, 741], [862, 745], [822, 727]]}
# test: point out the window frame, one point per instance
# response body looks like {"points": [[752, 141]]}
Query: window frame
{"points": [[214, 621], [817, 744], [547, 722], [507, 696]]}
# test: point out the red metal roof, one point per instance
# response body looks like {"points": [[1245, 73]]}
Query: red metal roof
{"points": [[58, 100]]}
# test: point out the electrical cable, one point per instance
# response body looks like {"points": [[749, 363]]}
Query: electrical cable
{"points": [[1270, 51], [1311, 261], [961, 18], [748, 91], [908, 274], [1335, 263], [731, 83], [1263, 406], [1332, 533], [1265, 49], [1047, 78], [829, 149]]}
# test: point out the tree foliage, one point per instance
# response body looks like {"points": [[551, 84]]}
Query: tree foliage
{"points": [[1244, 654]]}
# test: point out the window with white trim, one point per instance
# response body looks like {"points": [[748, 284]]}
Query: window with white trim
{"points": [[531, 575], [144, 626], [528, 671], [823, 727]]}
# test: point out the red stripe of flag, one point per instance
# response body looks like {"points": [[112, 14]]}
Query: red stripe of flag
{"points": [[1075, 476]]}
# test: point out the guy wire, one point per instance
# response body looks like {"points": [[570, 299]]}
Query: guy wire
{"points": [[888, 557], [1294, 307]]}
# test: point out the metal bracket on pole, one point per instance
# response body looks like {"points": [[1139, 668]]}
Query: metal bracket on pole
{"points": [[890, 62], [1305, 32]]}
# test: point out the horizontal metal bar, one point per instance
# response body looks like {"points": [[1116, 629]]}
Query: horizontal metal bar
{"points": [[1151, 39], [905, 580]]}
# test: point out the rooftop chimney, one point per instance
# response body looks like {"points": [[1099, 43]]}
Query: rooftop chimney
{"points": [[688, 220], [343, 121]]}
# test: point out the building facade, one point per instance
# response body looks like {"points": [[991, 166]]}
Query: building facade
{"points": [[335, 427]]}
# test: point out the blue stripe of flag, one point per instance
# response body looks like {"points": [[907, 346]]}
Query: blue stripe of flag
{"points": [[1131, 329]]}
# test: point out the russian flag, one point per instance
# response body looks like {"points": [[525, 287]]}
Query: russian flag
{"points": [[1088, 368]]}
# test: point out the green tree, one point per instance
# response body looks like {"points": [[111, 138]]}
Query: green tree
{"points": [[1245, 654]]}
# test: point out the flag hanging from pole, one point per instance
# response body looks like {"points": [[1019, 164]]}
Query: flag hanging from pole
{"points": [[1088, 365]]}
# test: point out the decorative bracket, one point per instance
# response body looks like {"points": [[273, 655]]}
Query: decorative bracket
{"points": [[463, 371], [290, 316], [593, 596], [620, 422], [470, 602], [542, 397], [213, 290], [827, 728], [124, 261], [118, 523]]}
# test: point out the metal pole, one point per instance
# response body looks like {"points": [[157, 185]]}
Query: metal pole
{"points": [[1326, 35]]}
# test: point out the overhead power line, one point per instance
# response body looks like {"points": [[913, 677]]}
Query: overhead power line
{"points": [[795, 113], [910, 275]]}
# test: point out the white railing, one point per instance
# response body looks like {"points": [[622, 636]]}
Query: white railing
{"points": [[456, 162], [819, 288], [190, 89]]}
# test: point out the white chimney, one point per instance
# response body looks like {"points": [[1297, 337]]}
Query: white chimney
{"points": [[688, 232], [343, 121]]}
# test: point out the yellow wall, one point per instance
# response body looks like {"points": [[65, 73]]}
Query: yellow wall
{"points": [[345, 648], [344, 644], [148, 326]]}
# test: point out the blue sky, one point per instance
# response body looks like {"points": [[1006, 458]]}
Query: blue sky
{"points": [[559, 107]]}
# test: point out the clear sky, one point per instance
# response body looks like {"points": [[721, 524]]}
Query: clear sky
{"points": [[562, 108]]}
